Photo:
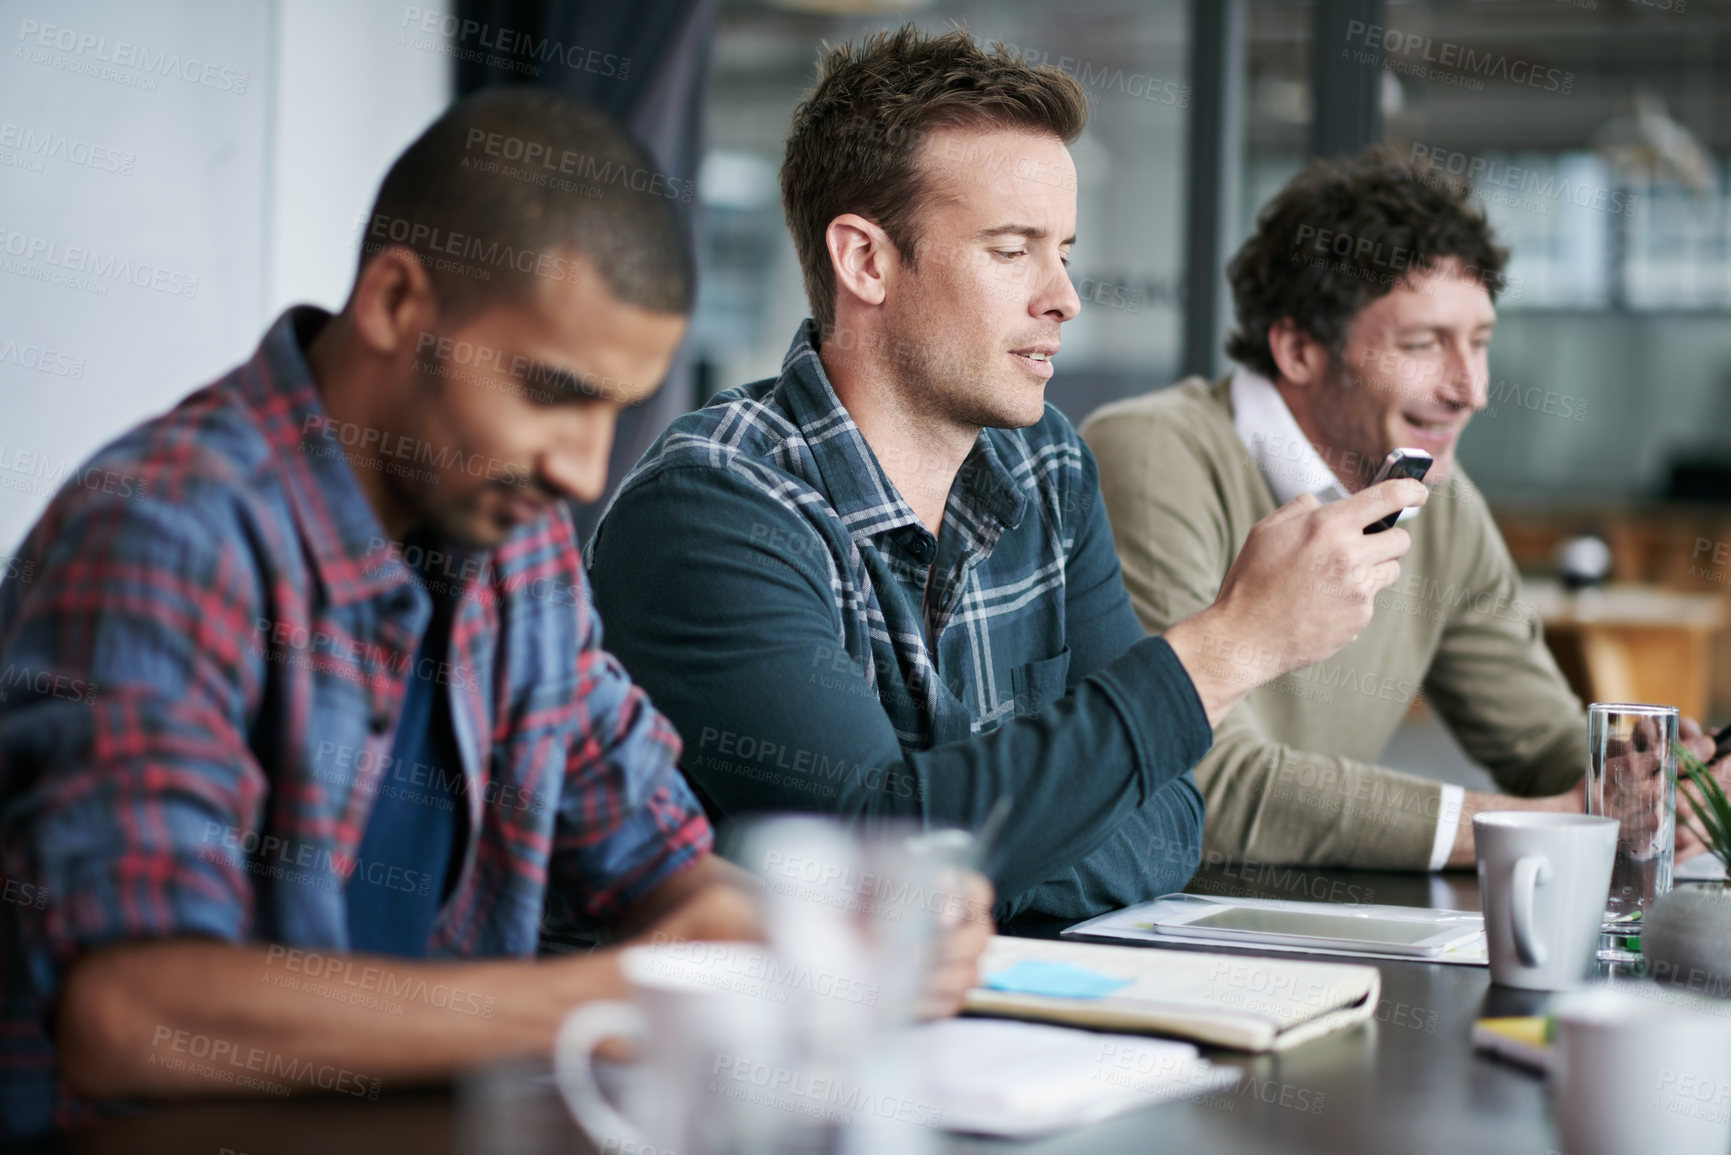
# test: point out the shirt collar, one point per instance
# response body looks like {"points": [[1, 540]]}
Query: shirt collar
{"points": [[1277, 446], [348, 546], [854, 480]]}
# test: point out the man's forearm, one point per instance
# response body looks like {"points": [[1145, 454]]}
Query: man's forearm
{"points": [[1223, 665], [682, 889], [196, 1017], [1477, 801]]}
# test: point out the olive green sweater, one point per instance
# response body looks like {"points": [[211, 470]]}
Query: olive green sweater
{"points": [[1291, 776]]}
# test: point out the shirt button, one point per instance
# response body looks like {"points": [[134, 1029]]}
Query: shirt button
{"points": [[921, 548], [379, 722]]}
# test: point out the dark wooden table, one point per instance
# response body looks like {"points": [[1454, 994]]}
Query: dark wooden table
{"points": [[1407, 1083]]}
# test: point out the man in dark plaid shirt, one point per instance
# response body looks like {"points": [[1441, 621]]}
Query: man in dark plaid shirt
{"points": [[310, 706], [889, 583]]}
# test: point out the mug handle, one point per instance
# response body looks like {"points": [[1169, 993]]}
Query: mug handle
{"points": [[1531, 872], [574, 1069]]}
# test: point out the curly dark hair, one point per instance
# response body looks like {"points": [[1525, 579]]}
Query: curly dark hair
{"points": [[855, 136], [1343, 233]]}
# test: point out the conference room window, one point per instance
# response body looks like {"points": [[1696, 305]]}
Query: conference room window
{"points": [[1130, 57]]}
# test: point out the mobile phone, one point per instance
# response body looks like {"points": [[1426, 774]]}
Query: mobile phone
{"points": [[1413, 463], [1721, 743]]}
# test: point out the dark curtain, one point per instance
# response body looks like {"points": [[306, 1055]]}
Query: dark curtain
{"points": [[646, 64]]}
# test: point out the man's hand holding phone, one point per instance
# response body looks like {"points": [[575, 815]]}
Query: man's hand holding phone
{"points": [[1413, 463], [1303, 585]]}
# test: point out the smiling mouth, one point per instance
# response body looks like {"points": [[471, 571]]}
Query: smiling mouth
{"points": [[1036, 361], [1432, 428]]}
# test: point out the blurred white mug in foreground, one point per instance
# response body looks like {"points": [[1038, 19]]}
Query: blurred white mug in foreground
{"points": [[1635, 1075]]}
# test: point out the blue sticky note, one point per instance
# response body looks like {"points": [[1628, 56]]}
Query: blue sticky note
{"points": [[1061, 980]]}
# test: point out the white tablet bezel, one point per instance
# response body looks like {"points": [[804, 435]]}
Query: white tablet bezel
{"points": [[1181, 917]]}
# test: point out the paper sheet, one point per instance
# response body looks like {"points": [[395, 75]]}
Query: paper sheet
{"points": [[1014, 1079]]}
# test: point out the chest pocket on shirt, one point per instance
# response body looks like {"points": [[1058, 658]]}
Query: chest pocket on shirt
{"points": [[1039, 683]]}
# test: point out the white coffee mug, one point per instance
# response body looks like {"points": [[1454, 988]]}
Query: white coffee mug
{"points": [[1639, 1073], [1543, 881], [700, 1014]]}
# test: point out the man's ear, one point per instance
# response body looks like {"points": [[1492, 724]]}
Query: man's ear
{"points": [[1301, 358], [393, 302], [862, 257]]}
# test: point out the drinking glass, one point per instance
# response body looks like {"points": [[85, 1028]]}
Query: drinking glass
{"points": [[1632, 777]]}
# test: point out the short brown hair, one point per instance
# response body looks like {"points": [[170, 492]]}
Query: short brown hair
{"points": [[484, 230], [856, 134], [1343, 233]]}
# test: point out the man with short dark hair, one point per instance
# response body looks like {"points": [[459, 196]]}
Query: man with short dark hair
{"points": [[344, 722], [885, 585], [1365, 309]]}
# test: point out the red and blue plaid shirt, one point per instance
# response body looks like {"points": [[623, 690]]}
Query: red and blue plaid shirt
{"points": [[199, 684]]}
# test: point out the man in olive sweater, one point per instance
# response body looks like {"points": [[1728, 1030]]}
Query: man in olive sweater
{"points": [[1364, 306]]}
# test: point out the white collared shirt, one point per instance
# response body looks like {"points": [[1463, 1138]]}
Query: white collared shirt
{"points": [[1291, 466]]}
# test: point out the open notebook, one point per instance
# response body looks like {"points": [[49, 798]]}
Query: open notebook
{"points": [[1249, 1004]]}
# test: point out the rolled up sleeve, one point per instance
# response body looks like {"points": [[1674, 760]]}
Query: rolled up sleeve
{"points": [[123, 706], [627, 819]]}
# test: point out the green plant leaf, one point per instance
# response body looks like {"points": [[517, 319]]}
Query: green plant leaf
{"points": [[1712, 809]]}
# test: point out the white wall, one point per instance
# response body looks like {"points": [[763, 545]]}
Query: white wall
{"points": [[351, 94], [184, 170]]}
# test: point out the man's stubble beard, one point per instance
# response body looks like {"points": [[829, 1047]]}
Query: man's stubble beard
{"points": [[960, 392]]}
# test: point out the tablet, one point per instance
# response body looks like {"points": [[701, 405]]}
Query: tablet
{"points": [[1253, 925]]}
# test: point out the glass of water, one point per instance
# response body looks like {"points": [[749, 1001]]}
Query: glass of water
{"points": [[1632, 777]]}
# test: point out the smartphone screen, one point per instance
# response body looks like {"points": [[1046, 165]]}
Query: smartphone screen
{"points": [[1413, 463], [1306, 925]]}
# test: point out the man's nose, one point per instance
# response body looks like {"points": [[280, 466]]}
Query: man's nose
{"points": [[577, 463], [1060, 298], [1467, 378]]}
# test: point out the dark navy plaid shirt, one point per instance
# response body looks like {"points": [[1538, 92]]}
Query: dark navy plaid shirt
{"points": [[820, 649], [199, 685]]}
